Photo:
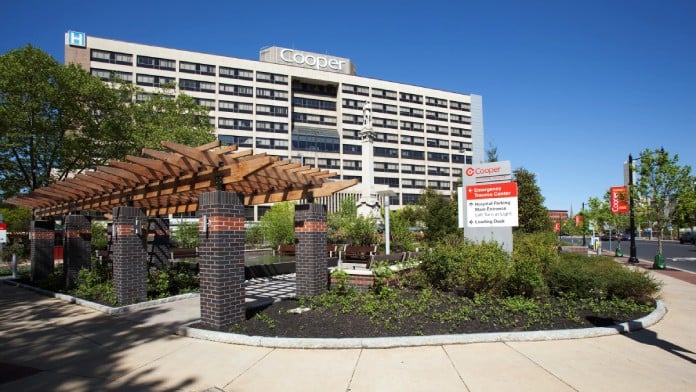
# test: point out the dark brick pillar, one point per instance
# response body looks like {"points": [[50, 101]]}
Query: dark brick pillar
{"points": [[158, 233], [310, 249], [77, 247], [129, 256], [42, 241], [221, 258]]}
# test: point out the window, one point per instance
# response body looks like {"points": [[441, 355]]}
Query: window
{"points": [[316, 89], [233, 89], [236, 73], [412, 154], [208, 103], [412, 169], [393, 182], [351, 134], [271, 78], [438, 171], [352, 119], [411, 112], [352, 149], [357, 90], [406, 97], [156, 63], [201, 69], [411, 126], [355, 104], [386, 167], [461, 132], [196, 85], [236, 107], [267, 93], [324, 163], [460, 119], [314, 119], [386, 152], [152, 80], [460, 106], [437, 156], [240, 141], [440, 143], [309, 141], [268, 126], [384, 123], [461, 146], [412, 140], [386, 94], [352, 165], [430, 101], [314, 103], [234, 123], [437, 129], [111, 57], [433, 115], [410, 198], [270, 110], [274, 144], [112, 76]]}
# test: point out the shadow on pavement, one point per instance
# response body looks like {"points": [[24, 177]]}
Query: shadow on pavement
{"points": [[47, 344]]}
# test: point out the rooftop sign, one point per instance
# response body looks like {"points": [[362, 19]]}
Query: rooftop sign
{"points": [[298, 58]]}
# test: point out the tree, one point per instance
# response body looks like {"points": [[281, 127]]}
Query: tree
{"points": [[278, 224], [662, 185], [57, 120], [54, 120], [162, 116], [439, 215], [492, 153], [346, 226], [533, 216]]}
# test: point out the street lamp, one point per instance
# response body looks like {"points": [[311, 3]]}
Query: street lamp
{"points": [[631, 213], [386, 195], [582, 214]]}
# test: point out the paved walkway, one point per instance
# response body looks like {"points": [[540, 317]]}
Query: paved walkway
{"points": [[51, 345]]}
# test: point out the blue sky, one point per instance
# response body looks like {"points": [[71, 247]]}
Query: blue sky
{"points": [[569, 88]]}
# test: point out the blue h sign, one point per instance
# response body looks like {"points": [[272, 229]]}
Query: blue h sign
{"points": [[76, 38]]}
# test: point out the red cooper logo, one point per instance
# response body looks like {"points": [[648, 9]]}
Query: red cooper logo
{"points": [[488, 170]]}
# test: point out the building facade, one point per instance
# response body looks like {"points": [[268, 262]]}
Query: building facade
{"points": [[308, 107]]}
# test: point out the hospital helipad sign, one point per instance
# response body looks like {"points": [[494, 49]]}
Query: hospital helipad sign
{"points": [[492, 205]]}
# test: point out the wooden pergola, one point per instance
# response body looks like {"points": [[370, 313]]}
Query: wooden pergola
{"points": [[162, 182]]}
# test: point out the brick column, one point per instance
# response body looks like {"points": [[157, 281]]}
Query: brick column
{"points": [[159, 235], [310, 249], [77, 247], [42, 241], [129, 256], [221, 258]]}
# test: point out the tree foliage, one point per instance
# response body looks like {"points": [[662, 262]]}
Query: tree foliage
{"points": [[278, 224], [346, 226], [662, 186], [57, 120], [439, 214], [54, 120], [533, 216]]}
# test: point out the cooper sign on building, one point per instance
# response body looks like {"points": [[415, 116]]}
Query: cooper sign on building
{"points": [[298, 58]]}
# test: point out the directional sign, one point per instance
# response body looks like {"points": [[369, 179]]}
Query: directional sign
{"points": [[492, 205]]}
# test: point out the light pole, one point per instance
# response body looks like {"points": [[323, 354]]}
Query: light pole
{"points": [[582, 214], [387, 232], [631, 213]]}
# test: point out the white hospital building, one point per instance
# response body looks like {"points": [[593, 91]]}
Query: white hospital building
{"points": [[308, 107]]}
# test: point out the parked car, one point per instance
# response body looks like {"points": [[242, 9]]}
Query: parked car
{"points": [[688, 237]]}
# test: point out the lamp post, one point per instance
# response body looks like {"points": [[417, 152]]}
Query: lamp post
{"points": [[387, 232], [582, 214], [631, 213]]}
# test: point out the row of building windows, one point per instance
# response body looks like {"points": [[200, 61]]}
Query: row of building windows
{"points": [[267, 77]]}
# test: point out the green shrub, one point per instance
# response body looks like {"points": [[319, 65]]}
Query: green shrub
{"points": [[99, 239], [531, 258], [186, 235], [599, 278], [443, 265], [94, 284]]}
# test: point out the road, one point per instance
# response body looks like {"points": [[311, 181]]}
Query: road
{"points": [[676, 255]]}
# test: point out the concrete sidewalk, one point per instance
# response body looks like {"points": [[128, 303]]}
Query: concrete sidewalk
{"points": [[50, 345]]}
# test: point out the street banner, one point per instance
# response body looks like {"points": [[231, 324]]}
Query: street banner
{"points": [[619, 199]]}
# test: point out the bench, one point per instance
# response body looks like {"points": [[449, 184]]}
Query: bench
{"points": [[182, 253], [362, 253], [390, 259], [286, 250]]}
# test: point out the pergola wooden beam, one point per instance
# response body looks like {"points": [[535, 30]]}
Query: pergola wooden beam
{"points": [[169, 182]]}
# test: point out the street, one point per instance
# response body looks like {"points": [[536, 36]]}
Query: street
{"points": [[682, 256]]}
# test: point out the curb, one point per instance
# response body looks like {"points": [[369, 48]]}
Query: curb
{"points": [[99, 307], [433, 340]]}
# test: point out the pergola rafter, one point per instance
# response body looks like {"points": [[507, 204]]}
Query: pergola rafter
{"points": [[163, 182]]}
